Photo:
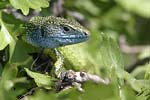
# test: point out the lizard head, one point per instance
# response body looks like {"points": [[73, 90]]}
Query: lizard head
{"points": [[53, 32]]}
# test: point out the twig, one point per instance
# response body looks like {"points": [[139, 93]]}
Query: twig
{"points": [[130, 49], [71, 78], [57, 8], [24, 96], [138, 63], [19, 15]]}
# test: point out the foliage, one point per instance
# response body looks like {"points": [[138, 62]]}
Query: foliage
{"points": [[106, 20], [40, 79], [133, 5], [26, 4]]}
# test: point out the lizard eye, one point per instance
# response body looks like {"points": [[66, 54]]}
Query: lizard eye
{"points": [[66, 29]]}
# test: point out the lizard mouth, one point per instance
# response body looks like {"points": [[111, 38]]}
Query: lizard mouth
{"points": [[63, 40], [71, 36]]}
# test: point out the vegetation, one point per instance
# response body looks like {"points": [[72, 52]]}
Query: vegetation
{"points": [[118, 50]]}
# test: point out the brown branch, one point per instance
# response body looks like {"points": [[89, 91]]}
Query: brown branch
{"points": [[71, 78], [57, 7], [126, 48], [19, 15], [138, 63]]}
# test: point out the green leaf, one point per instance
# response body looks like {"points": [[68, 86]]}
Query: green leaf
{"points": [[24, 5], [100, 91], [8, 82], [40, 95], [40, 79], [147, 74], [110, 55], [96, 91], [144, 53], [140, 7], [9, 72], [21, 52], [3, 4], [139, 71], [87, 6], [4, 95], [139, 84], [128, 94], [10, 27], [144, 94], [5, 37], [8, 75]]}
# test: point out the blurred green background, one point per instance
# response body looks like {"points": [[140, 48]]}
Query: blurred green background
{"points": [[128, 21], [125, 21]]}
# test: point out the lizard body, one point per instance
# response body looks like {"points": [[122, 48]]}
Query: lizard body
{"points": [[53, 32]]}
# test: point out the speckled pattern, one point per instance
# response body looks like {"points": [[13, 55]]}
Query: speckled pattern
{"points": [[53, 32]]}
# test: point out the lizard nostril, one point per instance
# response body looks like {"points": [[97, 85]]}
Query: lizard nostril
{"points": [[85, 33]]}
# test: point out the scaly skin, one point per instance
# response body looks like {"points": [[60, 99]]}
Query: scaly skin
{"points": [[53, 32]]}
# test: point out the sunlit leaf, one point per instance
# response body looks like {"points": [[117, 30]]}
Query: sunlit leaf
{"points": [[8, 81], [88, 6], [24, 5], [140, 7], [145, 53], [139, 71], [5, 37], [9, 31], [40, 79], [147, 74], [109, 54], [144, 94], [8, 75], [128, 94], [139, 84]]}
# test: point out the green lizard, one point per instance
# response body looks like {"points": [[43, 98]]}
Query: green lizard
{"points": [[53, 32]]}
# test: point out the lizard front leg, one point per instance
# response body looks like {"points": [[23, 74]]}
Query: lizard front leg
{"points": [[69, 78], [59, 64]]}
